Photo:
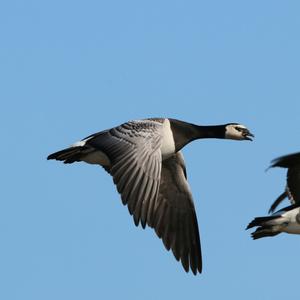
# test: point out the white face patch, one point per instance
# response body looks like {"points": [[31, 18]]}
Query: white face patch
{"points": [[235, 132]]}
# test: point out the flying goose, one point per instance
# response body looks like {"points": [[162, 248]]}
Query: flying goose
{"points": [[288, 218], [144, 159]]}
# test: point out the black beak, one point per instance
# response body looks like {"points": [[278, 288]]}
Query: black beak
{"points": [[248, 135]]}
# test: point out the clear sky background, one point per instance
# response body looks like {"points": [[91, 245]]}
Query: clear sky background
{"points": [[72, 68]]}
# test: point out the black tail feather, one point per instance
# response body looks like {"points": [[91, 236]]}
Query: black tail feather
{"points": [[263, 231], [260, 220], [68, 155]]}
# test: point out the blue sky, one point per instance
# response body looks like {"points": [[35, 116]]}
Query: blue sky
{"points": [[72, 68]]}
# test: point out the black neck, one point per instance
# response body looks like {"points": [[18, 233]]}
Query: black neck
{"points": [[184, 132]]}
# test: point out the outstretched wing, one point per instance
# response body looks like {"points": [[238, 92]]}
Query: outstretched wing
{"points": [[175, 220], [292, 163], [286, 161], [278, 201], [131, 154], [134, 152]]}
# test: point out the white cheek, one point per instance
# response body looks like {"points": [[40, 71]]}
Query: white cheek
{"points": [[234, 135], [238, 136]]}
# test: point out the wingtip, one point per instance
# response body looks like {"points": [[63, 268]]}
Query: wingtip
{"points": [[49, 157], [53, 155], [274, 163], [268, 168], [196, 270], [250, 225]]}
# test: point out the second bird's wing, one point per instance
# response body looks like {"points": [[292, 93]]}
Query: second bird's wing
{"points": [[292, 163]]}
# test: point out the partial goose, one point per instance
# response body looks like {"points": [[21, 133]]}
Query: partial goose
{"points": [[288, 218], [292, 190], [146, 164]]}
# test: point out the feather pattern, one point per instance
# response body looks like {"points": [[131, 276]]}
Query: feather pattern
{"points": [[134, 152], [175, 219]]}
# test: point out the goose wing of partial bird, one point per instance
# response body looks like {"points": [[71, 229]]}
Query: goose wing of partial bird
{"points": [[292, 163], [175, 220], [278, 201]]}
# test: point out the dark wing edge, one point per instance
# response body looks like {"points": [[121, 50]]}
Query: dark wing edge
{"points": [[175, 220], [292, 163], [277, 202], [286, 161]]}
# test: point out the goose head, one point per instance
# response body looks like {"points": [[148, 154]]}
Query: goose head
{"points": [[235, 131]]}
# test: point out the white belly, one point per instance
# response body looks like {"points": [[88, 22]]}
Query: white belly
{"points": [[293, 225]]}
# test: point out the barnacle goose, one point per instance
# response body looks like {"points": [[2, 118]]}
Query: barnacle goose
{"points": [[147, 166]]}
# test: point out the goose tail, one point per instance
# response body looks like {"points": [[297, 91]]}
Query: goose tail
{"points": [[266, 227], [68, 155]]}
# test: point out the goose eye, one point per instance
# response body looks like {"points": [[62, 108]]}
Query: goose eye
{"points": [[238, 128]]}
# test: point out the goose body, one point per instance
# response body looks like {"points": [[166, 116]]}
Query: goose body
{"points": [[148, 168]]}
